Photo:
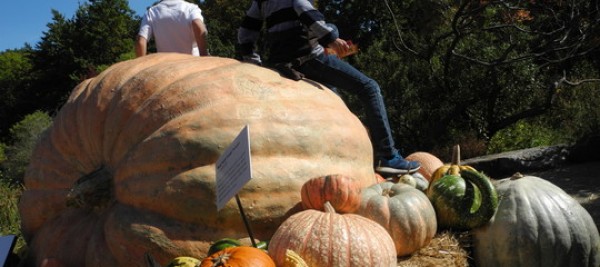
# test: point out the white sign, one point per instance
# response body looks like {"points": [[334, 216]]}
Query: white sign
{"points": [[6, 246], [234, 168]]}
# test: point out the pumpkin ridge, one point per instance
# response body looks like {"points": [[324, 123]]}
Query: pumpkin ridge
{"points": [[329, 221], [57, 138], [348, 225], [312, 221], [331, 227], [523, 208], [309, 220], [165, 93], [154, 124], [113, 107], [96, 93], [545, 213], [371, 256]]}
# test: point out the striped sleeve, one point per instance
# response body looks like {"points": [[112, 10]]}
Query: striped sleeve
{"points": [[249, 31], [315, 21]]}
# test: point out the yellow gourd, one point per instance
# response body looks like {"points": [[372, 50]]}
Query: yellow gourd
{"points": [[292, 259], [453, 168]]}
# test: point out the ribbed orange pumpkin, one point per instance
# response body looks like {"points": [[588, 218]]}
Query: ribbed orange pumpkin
{"points": [[328, 239], [404, 211], [238, 257], [342, 192], [429, 163], [133, 153]]}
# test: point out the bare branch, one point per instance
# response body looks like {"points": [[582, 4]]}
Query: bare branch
{"points": [[398, 30]]}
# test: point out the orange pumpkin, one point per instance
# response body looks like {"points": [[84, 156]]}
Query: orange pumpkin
{"points": [[341, 191], [238, 257], [429, 163], [328, 239], [133, 153]]}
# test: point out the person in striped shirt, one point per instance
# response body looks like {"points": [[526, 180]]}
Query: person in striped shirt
{"points": [[296, 36]]}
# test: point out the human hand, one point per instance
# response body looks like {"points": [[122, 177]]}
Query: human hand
{"points": [[340, 46]]}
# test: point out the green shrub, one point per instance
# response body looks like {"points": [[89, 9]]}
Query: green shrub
{"points": [[525, 134], [24, 136]]}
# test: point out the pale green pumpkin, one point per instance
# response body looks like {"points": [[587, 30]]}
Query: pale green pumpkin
{"points": [[536, 224], [404, 211]]}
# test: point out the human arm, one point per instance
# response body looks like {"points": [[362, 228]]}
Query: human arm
{"points": [[326, 34], [200, 34], [141, 45], [144, 33]]}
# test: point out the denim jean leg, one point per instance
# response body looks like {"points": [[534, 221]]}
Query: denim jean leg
{"points": [[330, 70]]}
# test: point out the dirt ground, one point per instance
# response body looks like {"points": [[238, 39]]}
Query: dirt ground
{"points": [[582, 181]]}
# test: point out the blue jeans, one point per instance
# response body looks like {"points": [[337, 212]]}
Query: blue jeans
{"points": [[333, 72]]}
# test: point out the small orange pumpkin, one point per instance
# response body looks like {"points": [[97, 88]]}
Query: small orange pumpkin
{"points": [[341, 191], [429, 163], [238, 257]]}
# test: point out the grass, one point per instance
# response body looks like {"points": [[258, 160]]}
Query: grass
{"points": [[10, 222]]}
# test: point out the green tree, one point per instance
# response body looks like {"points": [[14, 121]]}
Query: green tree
{"points": [[222, 19], [98, 35], [24, 137], [472, 68], [15, 67], [53, 62], [105, 31]]}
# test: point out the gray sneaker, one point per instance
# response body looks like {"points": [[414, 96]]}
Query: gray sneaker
{"points": [[397, 165]]}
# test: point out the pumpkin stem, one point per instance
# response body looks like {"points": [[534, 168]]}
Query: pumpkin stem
{"points": [[516, 176], [456, 155], [386, 192], [220, 260], [93, 190], [328, 208]]}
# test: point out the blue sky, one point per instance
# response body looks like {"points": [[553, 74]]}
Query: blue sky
{"points": [[25, 21]]}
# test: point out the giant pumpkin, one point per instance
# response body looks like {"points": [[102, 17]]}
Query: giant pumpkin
{"points": [[536, 224], [128, 166]]}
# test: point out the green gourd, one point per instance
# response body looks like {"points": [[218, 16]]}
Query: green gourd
{"points": [[463, 201]]}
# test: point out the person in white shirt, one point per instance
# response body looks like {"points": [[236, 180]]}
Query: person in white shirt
{"points": [[176, 25]]}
